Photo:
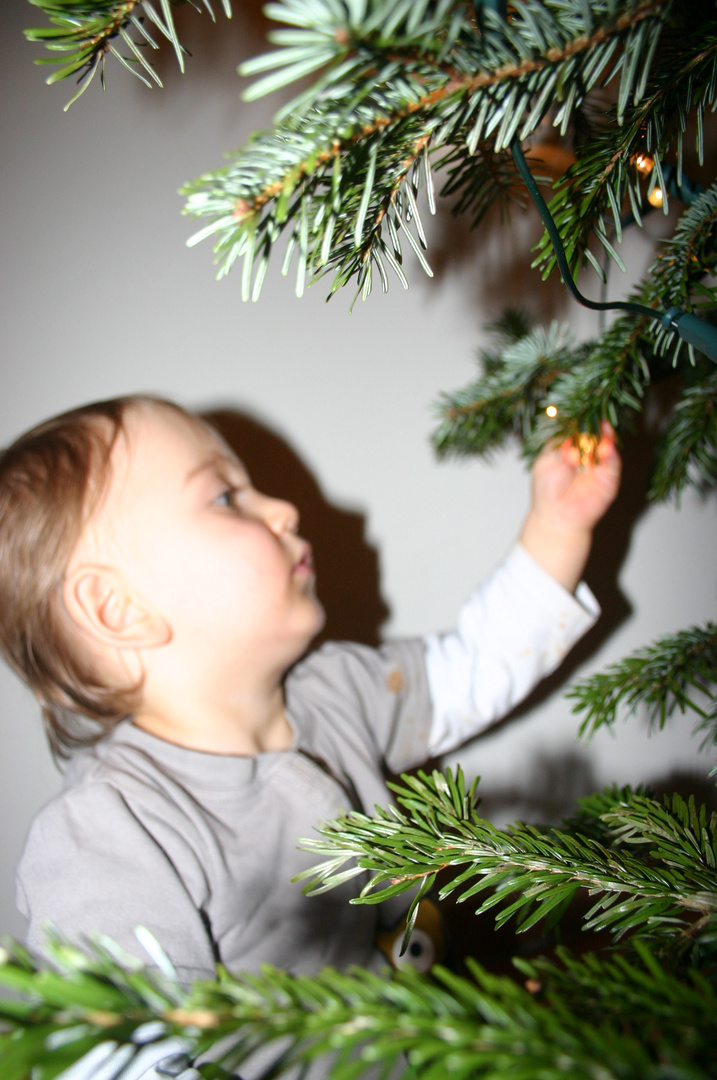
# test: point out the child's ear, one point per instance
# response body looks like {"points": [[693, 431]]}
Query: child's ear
{"points": [[99, 602]]}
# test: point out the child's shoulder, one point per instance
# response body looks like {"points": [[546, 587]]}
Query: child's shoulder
{"points": [[105, 782], [347, 694], [355, 680], [117, 800], [345, 665]]}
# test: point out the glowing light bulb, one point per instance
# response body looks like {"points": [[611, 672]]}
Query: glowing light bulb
{"points": [[587, 445], [552, 411], [643, 163], [656, 197]]}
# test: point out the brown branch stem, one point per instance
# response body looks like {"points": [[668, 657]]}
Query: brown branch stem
{"points": [[454, 85]]}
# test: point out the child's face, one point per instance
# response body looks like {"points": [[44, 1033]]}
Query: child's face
{"points": [[220, 562]]}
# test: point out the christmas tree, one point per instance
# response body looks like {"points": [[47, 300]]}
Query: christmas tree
{"points": [[603, 108]]}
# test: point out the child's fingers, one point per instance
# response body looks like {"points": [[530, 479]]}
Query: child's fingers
{"points": [[608, 441], [570, 453], [589, 451], [608, 454]]}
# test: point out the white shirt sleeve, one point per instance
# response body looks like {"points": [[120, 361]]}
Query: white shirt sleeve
{"points": [[512, 631]]}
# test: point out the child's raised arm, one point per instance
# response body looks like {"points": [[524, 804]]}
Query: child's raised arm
{"points": [[570, 495]]}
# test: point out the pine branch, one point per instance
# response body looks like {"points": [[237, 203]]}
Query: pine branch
{"points": [[391, 48], [87, 32], [687, 452], [511, 396], [480, 182], [306, 183], [401, 81], [682, 275], [640, 994], [660, 677], [582, 384], [685, 259], [530, 871], [604, 379], [424, 1027], [592, 196], [426, 38]]}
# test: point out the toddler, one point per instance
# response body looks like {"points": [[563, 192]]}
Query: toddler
{"points": [[160, 607]]}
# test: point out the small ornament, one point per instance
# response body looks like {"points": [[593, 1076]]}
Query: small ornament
{"points": [[587, 445], [643, 163], [427, 944]]}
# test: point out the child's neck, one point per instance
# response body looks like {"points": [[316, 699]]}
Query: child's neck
{"points": [[253, 725]]}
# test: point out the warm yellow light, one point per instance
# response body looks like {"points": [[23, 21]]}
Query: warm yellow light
{"points": [[587, 445], [552, 411], [643, 163], [655, 198]]}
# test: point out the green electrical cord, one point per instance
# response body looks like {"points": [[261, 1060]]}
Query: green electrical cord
{"points": [[694, 331]]}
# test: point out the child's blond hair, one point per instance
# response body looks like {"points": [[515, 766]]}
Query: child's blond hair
{"points": [[51, 480]]}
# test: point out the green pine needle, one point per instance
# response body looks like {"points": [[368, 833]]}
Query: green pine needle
{"points": [[481, 1025], [528, 871], [85, 33], [661, 678]]}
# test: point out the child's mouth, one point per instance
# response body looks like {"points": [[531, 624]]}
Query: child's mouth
{"points": [[305, 565]]}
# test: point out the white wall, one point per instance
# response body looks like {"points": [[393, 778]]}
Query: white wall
{"points": [[100, 297]]}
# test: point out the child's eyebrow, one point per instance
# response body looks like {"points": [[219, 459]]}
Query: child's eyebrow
{"points": [[215, 461]]}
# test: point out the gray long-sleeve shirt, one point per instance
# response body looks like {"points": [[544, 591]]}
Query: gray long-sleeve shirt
{"points": [[201, 847]]}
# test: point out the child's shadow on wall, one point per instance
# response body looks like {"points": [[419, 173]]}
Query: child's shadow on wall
{"points": [[347, 566]]}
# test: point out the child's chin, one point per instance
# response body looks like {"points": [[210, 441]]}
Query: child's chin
{"points": [[320, 621]]}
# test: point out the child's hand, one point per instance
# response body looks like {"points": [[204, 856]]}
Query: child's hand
{"points": [[576, 489], [571, 492]]}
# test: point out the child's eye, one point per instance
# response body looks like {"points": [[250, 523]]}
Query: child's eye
{"points": [[227, 498]]}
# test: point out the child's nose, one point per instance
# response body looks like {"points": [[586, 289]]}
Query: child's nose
{"points": [[280, 515]]}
